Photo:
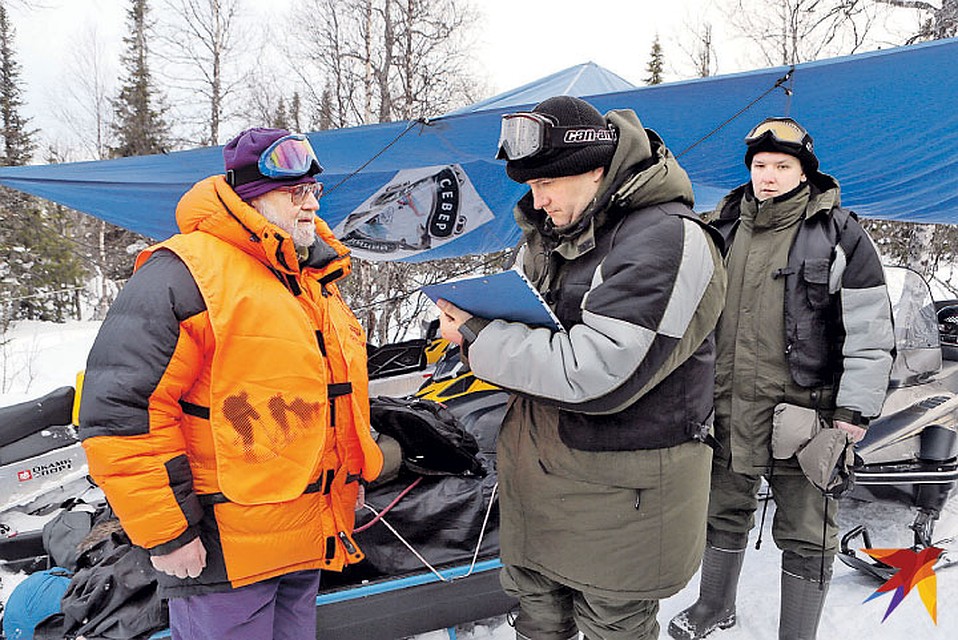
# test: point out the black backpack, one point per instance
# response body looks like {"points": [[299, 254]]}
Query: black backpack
{"points": [[431, 438]]}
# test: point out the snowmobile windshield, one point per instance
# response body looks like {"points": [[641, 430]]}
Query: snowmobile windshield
{"points": [[916, 327]]}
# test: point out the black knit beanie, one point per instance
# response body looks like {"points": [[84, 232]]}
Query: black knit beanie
{"points": [[805, 154], [565, 111]]}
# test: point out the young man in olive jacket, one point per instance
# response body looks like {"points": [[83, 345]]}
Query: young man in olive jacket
{"points": [[807, 324], [602, 460]]}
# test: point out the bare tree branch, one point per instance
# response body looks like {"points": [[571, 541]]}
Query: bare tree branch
{"points": [[199, 43], [792, 31], [939, 21]]}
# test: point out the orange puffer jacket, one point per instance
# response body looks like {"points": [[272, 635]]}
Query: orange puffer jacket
{"points": [[226, 396]]}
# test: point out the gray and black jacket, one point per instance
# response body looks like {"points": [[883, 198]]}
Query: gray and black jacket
{"points": [[638, 285]]}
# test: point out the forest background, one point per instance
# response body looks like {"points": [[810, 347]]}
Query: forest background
{"points": [[179, 74]]}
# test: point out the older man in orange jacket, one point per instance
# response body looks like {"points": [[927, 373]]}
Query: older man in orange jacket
{"points": [[225, 411]]}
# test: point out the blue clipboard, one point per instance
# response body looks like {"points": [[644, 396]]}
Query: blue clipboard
{"points": [[507, 295]]}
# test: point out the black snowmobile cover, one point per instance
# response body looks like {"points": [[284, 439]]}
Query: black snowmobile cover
{"points": [[433, 441], [442, 516]]}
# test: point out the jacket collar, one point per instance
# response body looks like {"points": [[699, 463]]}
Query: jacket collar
{"points": [[211, 206], [824, 195], [642, 173]]}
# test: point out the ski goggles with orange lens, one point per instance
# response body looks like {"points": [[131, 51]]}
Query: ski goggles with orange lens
{"points": [[526, 134], [289, 157], [783, 130]]}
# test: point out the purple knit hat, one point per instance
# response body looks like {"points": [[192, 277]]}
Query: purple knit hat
{"points": [[243, 151]]}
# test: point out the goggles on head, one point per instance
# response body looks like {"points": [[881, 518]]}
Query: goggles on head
{"points": [[288, 157], [527, 134], [784, 131]]}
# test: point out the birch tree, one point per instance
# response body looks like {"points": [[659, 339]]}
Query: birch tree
{"points": [[199, 42], [370, 61]]}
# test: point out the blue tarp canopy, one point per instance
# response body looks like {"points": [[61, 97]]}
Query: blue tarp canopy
{"points": [[884, 123]]}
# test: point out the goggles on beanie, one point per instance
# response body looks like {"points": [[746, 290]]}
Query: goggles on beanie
{"points": [[784, 131], [527, 133], [288, 157]]}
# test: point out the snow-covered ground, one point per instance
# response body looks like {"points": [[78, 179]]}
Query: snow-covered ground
{"points": [[39, 357]]}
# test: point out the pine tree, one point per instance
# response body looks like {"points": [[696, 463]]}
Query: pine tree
{"points": [[39, 270], [656, 65], [139, 126], [323, 115], [18, 144], [295, 108], [280, 117]]}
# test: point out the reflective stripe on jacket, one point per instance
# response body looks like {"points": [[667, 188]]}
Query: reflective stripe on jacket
{"points": [[838, 323]]}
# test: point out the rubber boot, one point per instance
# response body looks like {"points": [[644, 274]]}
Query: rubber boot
{"points": [[803, 596], [715, 608]]}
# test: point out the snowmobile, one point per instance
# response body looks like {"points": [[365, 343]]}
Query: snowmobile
{"points": [[910, 452], [42, 466]]}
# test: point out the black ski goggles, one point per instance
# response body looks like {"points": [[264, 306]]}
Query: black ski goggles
{"points": [[527, 134], [784, 131]]}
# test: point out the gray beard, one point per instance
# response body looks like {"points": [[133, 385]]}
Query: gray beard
{"points": [[302, 237]]}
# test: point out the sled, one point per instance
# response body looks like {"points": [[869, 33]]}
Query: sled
{"points": [[909, 454]]}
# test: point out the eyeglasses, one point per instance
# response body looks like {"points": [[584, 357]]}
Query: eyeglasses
{"points": [[526, 134], [301, 192], [783, 130], [289, 157]]}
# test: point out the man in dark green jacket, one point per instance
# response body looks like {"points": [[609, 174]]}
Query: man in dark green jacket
{"points": [[807, 325], [602, 460]]}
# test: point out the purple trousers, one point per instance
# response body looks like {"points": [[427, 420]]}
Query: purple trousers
{"points": [[282, 608]]}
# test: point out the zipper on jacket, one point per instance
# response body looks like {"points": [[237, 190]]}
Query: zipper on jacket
{"points": [[350, 547]]}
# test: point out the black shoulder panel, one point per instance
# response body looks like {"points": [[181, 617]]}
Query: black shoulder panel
{"points": [[134, 346]]}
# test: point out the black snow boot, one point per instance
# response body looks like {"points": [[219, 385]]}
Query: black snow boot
{"points": [[715, 608], [804, 586]]}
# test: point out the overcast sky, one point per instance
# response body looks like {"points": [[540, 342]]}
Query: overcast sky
{"points": [[517, 41]]}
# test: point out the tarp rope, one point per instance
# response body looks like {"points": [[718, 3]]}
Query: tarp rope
{"points": [[778, 83], [412, 123]]}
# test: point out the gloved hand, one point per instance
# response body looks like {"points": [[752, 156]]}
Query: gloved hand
{"points": [[187, 561]]}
